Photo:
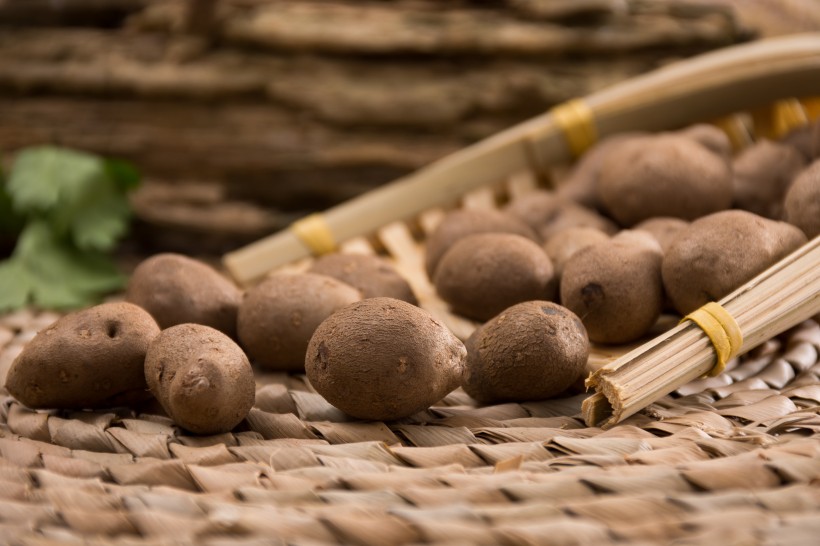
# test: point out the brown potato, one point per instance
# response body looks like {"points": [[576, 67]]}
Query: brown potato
{"points": [[710, 137], [572, 215], [201, 377], [531, 351], [802, 202], [615, 287], [481, 275], [463, 222], [665, 175], [384, 359], [581, 184], [663, 229], [371, 275], [535, 208], [562, 245], [720, 252], [762, 174], [87, 359], [176, 289], [278, 316]]}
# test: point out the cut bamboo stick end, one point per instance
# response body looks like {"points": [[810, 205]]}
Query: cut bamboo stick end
{"points": [[777, 299]]}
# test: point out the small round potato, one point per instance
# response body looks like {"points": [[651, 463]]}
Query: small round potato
{"points": [[803, 201], [201, 377], [535, 208], [463, 222], [562, 245], [663, 228], [87, 359], [763, 174], [615, 287], [371, 275], [481, 275], [176, 289], [531, 351], [665, 175], [710, 137], [278, 316], [384, 359], [720, 252]]}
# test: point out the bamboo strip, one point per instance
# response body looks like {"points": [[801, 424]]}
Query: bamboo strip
{"points": [[777, 299], [710, 86]]}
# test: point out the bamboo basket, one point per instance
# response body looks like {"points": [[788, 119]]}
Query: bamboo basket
{"points": [[731, 459]]}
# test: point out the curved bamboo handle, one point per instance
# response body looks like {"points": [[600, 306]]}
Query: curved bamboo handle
{"points": [[705, 87]]}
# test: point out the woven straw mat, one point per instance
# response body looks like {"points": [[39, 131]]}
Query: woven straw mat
{"points": [[729, 460]]}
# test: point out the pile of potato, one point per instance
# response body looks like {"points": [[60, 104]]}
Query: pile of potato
{"points": [[644, 224]]}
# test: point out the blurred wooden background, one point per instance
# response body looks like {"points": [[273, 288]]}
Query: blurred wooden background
{"points": [[246, 114]]}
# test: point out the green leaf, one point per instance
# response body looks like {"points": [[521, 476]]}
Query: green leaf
{"points": [[96, 219], [58, 276], [10, 222], [15, 285], [123, 174], [44, 177]]}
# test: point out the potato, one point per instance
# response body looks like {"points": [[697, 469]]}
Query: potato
{"points": [[201, 377], [615, 287], [463, 222], [383, 359], [561, 246], [665, 175], [802, 202], [176, 289], [762, 174], [531, 351], [710, 137], [535, 208], [481, 275], [806, 140], [278, 316], [87, 359], [720, 252], [581, 184], [664, 229], [371, 275], [572, 215]]}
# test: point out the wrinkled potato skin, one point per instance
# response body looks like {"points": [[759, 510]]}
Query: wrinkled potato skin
{"points": [[718, 253], [201, 377], [176, 289], [531, 351], [384, 359], [87, 359], [763, 174]]}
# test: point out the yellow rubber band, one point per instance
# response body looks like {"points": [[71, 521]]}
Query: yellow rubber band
{"points": [[722, 329], [315, 233], [577, 122]]}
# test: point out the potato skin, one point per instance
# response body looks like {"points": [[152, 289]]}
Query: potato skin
{"points": [[720, 252], [664, 229], [531, 351], [384, 359], [615, 287], [665, 175], [201, 377], [176, 289], [463, 222], [763, 174], [372, 276], [802, 202], [91, 358], [562, 245], [481, 275], [278, 316]]}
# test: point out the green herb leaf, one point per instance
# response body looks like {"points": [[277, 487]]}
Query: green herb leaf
{"points": [[45, 176], [123, 173], [48, 273], [10, 222]]}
